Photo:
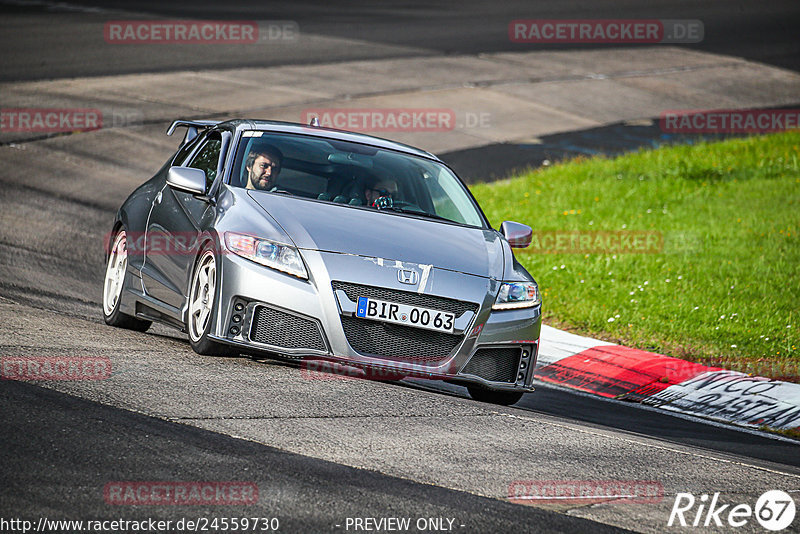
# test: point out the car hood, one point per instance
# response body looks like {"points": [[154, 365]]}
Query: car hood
{"points": [[364, 232]]}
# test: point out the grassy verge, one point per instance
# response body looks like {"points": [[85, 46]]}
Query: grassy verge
{"points": [[723, 286]]}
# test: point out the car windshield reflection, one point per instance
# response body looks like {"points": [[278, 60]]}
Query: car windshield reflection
{"points": [[354, 175]]}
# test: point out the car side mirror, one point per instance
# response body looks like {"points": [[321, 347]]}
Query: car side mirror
{"points": [[518, 235], [187, 179]]}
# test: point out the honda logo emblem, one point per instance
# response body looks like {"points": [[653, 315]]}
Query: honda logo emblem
{"points": [[407, 276]]}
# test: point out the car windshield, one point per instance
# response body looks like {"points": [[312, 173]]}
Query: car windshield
{"points": [[352, 174]]}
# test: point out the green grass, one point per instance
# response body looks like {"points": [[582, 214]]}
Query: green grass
{"points": [[726, 284]]}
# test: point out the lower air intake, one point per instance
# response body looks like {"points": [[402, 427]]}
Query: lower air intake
{"points": [[281, 329], [494, 364]]}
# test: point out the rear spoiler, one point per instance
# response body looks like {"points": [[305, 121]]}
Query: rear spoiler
{"points": [[192, 128]]}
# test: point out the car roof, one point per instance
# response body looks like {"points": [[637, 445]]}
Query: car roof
{"points": [[320, 131]]}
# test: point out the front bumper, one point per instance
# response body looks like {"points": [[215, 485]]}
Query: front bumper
{"points": [[265, 310]]}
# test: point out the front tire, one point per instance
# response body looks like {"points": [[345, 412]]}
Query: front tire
{"points": [[114, 287], [203, 304], [493, 396]]}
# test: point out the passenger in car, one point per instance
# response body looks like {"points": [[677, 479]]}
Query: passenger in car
{"points": [[263, 165], [379, 193]]}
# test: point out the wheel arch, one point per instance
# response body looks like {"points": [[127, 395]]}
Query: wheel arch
{"points": [[108, 239], [209, 237]]}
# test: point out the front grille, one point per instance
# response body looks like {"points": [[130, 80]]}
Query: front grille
{"points": [[494, 364], [281, 329], [456, 307], [401, 342]]}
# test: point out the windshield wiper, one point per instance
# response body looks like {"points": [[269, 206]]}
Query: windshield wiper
{"points": [[418, 212]]}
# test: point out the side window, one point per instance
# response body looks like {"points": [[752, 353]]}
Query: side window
{"points": [[184, 151], [208, 158]]}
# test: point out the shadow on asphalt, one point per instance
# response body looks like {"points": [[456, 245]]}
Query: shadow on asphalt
{"points": [[502, 160], [642, 421], [71, 448]]}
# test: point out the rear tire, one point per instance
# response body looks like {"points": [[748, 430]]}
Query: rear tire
{"points": [[114, 287], [504, 398], [203, 305]]}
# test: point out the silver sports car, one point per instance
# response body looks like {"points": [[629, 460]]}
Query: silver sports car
{"points": [[311, 243]]}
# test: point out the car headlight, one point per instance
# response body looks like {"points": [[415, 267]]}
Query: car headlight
{"points": [[514, 295], [274, 255]]}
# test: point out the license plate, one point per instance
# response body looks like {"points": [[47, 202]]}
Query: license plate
{"points": [[392, 312]]}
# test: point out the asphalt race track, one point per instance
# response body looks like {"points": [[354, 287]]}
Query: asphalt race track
{"points": [[320, 449], [52, 41], [296, 489]]}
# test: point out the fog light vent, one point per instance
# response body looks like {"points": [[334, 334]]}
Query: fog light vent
{"points": [[494, 364]]}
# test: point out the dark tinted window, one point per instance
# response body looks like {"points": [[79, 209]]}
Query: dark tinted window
{"points": [[207, 159], [185, 150]]}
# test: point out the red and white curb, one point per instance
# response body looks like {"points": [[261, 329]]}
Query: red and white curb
{"points": [[614, 371]]}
